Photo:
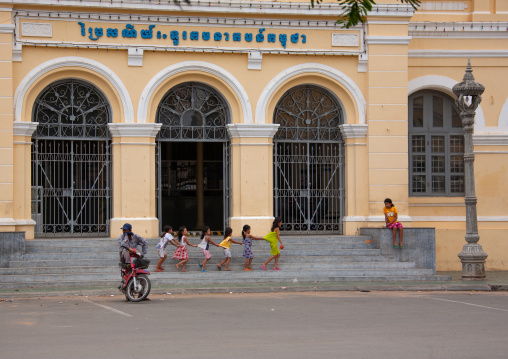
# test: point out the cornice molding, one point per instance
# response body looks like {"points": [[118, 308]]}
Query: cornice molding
{"points": [[457, 53], [24, 128], [134, 129], [7, 28], [354, 130], [490, 139], [247, 130], [388, 40]]}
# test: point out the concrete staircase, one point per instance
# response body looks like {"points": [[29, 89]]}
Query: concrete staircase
{"points": [[93, 262]]}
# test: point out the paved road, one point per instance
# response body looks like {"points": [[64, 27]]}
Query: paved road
{"points": [[278, 325]]}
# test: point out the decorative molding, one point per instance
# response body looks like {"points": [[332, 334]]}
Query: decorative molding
{"points": [[490, 139], [388, 40], [457, 53], [354, 130], [345, 39], [135, 56], [363, 61], [16, 222], [375, 218], [238, 6], [310, 68], [249, 130], [445, 85], [40, 70], [134, 130], [255, 59], [25, 129], [7, 28], [17, 51], [443, 6], [37, 29], [186, 66], [503, 118]]}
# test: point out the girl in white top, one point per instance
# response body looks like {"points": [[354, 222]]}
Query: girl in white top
{"points": [[205, 245], [166, 238]]}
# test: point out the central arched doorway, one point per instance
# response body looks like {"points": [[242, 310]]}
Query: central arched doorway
{"points": [[309, 161], [71, 161], [192, 158]]}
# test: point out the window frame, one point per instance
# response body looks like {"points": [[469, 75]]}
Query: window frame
{"points": [[429, 131]]}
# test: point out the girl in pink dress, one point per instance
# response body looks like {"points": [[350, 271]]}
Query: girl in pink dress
{"points": [[181, 252]]}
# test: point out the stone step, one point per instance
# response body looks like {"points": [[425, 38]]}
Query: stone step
{"points": [[256, 246], [99, 242], [195, 259], [193, 267], [193, 253], [216, 277]]}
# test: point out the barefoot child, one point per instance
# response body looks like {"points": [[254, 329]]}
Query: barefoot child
{"points": [[226, 245], [247, 243], [167, 237], [204, 245], [273, 237], [181, 252], [391, 217]]}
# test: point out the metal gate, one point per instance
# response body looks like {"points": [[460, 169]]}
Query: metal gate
{"points": [[309, 190], [71, 193], [71, 161], [192, 112]]}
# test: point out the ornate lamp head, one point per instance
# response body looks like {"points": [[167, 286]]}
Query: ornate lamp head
{"points": [[468, 92]]}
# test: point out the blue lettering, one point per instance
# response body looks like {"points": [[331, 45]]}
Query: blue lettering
{"points": [[226, 35], [206, 35], [304, 39], [260, 37], [83, 33], [271, 37], [129, 31], [283, 38], [237, 36], [217, 36], [147, 34], [184, 35], [194, 35], [174, 37], [112, 32], [248, 37], [164, 36], [98, 33], [294, 38]]}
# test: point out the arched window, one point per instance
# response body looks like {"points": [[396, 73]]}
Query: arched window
{"points": [[193, 111], [436, 146], [71, 109]]}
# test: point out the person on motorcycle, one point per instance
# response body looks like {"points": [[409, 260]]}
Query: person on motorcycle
{"points": [[128, 242]]}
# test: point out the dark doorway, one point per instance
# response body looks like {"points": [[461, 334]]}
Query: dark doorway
{"points": [[189, 172]]}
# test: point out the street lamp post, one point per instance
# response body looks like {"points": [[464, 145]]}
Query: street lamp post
{"points": [[468, 94]]}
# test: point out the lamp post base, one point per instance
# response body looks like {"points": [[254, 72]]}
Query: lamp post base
{"points": [[473, 262]]}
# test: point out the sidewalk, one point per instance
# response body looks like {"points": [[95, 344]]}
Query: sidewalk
{"points": [[495, 281]]}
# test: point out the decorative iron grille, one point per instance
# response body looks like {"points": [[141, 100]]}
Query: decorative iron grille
{"points": [[71, 161], [309, 181], [71, 109], [308, 113], [193, 111]]}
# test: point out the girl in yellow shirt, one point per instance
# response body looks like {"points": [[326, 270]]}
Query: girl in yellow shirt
{"points": [[391, 217]]}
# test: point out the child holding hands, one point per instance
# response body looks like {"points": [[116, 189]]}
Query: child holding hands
{"points": [[247, 243], [204, 245], [166, 238], [273, 238], [181, 252], [226, 245]]}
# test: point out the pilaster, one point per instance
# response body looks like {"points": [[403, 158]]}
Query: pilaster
{"points": [[252, 176], [134, 178], [387, 112]]}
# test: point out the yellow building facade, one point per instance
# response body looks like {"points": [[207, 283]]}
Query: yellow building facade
{"points": [[225, 113]]}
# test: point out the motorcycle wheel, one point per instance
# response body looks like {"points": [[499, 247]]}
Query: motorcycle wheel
{"points": [[141, 292]]}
